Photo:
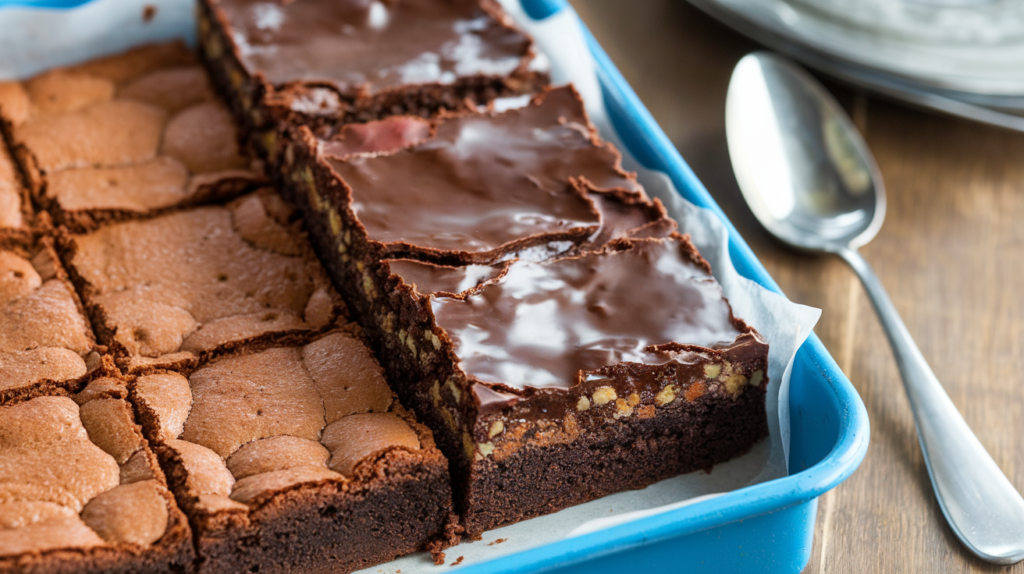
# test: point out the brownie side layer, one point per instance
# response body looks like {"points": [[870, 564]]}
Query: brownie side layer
{"points": [[266, 111], [608, 458], [328, 528]]}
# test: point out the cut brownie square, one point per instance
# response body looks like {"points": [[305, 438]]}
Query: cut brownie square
{"points": [[45, 340], [175, 289], [296, 457], [326, 63], [125, 136], [80, 490], [552, 383]]}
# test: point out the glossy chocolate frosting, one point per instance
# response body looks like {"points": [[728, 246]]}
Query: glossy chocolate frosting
{"points": [[486, 181], [369, 46], [549, 325], [430, 279]]}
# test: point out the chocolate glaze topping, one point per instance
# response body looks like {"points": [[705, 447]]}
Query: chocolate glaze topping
{"points": [[429, 278], [550, 325], [369, 46], [486, 181]]}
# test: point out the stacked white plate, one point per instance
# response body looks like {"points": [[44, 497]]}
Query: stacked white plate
{"points": [[964, 57]]}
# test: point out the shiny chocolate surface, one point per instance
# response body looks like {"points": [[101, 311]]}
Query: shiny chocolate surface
{"points": [[364, 46], [551, 324], [485, 181]]}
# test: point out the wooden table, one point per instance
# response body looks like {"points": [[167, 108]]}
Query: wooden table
{"points": [[951, 254]]}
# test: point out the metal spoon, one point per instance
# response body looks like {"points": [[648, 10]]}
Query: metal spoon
{"points": [[811, 181]]}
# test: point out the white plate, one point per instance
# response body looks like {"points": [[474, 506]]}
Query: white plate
{"points": [[975, 47]]}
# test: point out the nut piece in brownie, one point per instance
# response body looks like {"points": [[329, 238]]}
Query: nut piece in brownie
{"points": [[125, 136], [182, 286], [46, 344], [532, 182], [80, 490], [325, 63], [548, 384], [296, 457]]}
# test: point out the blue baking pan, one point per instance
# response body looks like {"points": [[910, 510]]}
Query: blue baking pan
{"points": [[767, 527]]}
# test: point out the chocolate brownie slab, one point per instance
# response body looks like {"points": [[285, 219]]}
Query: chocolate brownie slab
{"points": [[80, 490], [46, 343], [326, 63], [296, 457], [125, 136], [552, 383], [180, 287]]}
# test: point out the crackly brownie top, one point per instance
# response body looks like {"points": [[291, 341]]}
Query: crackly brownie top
{"points": [[551, 324], [75, 473], [10, 191], [196, 279], [369, 46], [136, 131], [43, 334], [247, 426], [485, 181]]}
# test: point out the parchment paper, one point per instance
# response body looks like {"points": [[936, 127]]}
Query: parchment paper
{"points": [[34, 40]]}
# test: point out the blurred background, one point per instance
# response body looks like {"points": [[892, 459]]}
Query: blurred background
{"points": [[951, 253]]}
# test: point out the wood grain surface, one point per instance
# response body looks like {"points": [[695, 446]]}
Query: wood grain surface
{"points": [[951, 253]]}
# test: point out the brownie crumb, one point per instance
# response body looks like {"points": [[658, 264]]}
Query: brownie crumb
{"points": [[457, 561], [148, 13], [498, 541], [451, 536]]}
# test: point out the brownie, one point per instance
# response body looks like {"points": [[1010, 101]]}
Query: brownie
{"points": [[531, 182], [81, 491], [325, 63], [296, 458], [45, 340], [123, 137], [552, 383], [175, 289]]}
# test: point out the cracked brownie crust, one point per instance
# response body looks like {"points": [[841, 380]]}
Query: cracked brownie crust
{"points": [[124, 137], [296, 457], [82, 491]]}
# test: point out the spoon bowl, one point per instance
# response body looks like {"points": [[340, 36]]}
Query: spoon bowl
{"points": [[811, 181], [802, 166]]}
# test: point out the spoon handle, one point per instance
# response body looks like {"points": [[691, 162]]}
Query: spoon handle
{"points": [[981, 505]]}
